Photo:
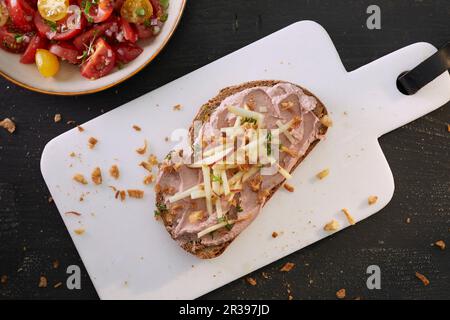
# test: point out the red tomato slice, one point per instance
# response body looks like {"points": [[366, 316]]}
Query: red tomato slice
{"points": [[126, 52], [157, 9], [66, 51], [128, 31], [11, 41], [62, 32], [21, 14], [37, 42], [88, 36], [143, 31], [96, 12], [101, 62]]}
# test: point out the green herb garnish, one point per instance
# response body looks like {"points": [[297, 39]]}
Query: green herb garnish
{"points": [[249, 120], [148, 23], [269, 143], [215, 178], [228, 225], [140, 12], [164, 17], [164, 3], [239, 208], [53, 26], [161, 208], [18, 38]]}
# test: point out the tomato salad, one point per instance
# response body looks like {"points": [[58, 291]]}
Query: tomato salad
{"points": [[97, 35]]}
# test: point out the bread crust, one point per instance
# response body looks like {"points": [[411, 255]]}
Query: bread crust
{"points": [[209, 252]]}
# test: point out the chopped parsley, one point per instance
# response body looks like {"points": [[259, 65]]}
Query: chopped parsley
{"points": [[239, 208], [269, 143], [228, 225], [164, 3], [215, 178], [249, 120], [140, 12], [164, 17], [161, 208], [169, 156], [18, 38], [53, 26]]}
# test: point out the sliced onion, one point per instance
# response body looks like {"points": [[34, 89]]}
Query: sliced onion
{"points": [[74, 20], [154, 22]]}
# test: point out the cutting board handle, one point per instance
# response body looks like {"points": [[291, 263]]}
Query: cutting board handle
{"points": [[380, 79]]}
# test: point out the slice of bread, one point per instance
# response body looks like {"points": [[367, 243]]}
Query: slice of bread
{"points": [[208, 252]]}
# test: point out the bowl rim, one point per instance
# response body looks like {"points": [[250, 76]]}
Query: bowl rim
{"points": [[84, 92]]}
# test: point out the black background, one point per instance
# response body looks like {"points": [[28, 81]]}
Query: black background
{"points": [[32, 234]]}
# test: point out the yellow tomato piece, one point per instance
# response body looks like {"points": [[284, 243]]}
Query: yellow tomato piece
{"points": [[46, 62], [136, 11], [53, 10]]}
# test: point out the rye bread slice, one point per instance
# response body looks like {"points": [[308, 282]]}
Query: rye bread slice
{"points": [[208, 252]]}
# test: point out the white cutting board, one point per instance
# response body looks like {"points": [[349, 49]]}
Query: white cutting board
{"points": [[129, 255]]}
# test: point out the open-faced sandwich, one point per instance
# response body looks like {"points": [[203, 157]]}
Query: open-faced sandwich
{"points": [[245, 143]]}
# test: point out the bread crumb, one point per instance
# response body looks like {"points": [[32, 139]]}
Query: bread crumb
{"points": [[333, 225], [50, 199], [4, 279], [8, 124], [122, 195], [137, 128], [448, 127], [149, 179], [134, 193], [80, 128], [42, 282], [440, 244], [59, 284], [422, 278], [340, 294], [92, 142], [265, 275], [96, 176], [72, 154], [73, 212], [153, 160], [55, 264], [372, 200], [348, 216], [79, 231], [57, 117], [114, 171], [326, 121], [177, 107], [142, 150], [80, 178], [288, 266], [71, 122], [322, 174], [274, 234], [251, 281], [408, 220], [166, 139], [288, 187], [147, 166]]}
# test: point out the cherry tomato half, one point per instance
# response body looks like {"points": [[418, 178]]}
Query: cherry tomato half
{"points": [[136, 11], [11, 41], [47, 63], [128, 32], [21, 14], [96, 11], [66, 51], [101, 62], [37, 42], [127, 52], [87, 37], [59, 30], [53, 10]]}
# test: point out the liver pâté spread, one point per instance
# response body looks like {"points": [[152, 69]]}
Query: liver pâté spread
{"points": [[210, 200]]}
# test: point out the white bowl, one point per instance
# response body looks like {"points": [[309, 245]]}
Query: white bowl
{"points": [[69, 81]]}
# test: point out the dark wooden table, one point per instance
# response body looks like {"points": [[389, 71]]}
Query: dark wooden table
{"points": [[32, 234]]}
